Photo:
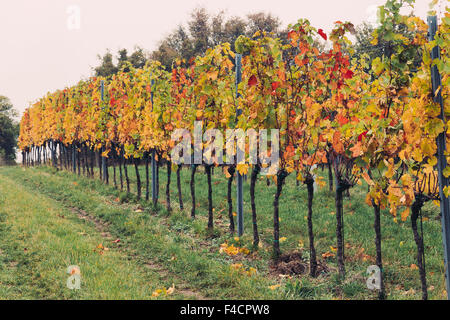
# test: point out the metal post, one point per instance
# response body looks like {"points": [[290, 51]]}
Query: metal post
{"points": [[102, 90], [239, 200], [442, 162], [153, 163], [74, 165]]}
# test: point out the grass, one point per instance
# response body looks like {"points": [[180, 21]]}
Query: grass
{"points": [[41, 238], [187, 254]]}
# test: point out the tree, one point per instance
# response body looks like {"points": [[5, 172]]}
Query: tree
{"points": [[9, 130], [262, 22], [199, 28], [107, 68], [138, 58], [205, 30]]}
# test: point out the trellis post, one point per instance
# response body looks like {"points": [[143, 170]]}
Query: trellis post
{"points": [[441, 147], [239, 182], [153, 163], [102, 90]]}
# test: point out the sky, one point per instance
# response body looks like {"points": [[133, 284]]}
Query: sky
{"points": [[50, 44]]}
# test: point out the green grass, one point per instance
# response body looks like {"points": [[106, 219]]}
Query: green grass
{"points": [[41, 238], [190, 256]]}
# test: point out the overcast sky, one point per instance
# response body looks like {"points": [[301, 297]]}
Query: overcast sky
{"points": [[43, 50]]}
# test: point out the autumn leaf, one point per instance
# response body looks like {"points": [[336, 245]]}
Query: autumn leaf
{"points": [[275, 286], [275, 85], [356, 150], [337, 143], [362, 135], [404, 214], [242, 168], [348, 74], [322, 34], [170, 290], [252, 81], [327, 255], [292, 34], [341, 119]]}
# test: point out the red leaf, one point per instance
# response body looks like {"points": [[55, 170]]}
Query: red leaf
{"points": [[252, 81], [362, 135], [275, 85], [322, 34], [348, 74]]}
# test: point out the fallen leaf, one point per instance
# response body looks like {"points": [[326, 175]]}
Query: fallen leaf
{"points": [[274, 286], [171, 289]]}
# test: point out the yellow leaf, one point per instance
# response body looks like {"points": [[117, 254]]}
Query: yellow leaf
{"points": [[156, 293], [405, 213], [242, 168], [446, 191], [283, 239], [427, 148], [417, 155], [446, 172], [275, 286]]}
